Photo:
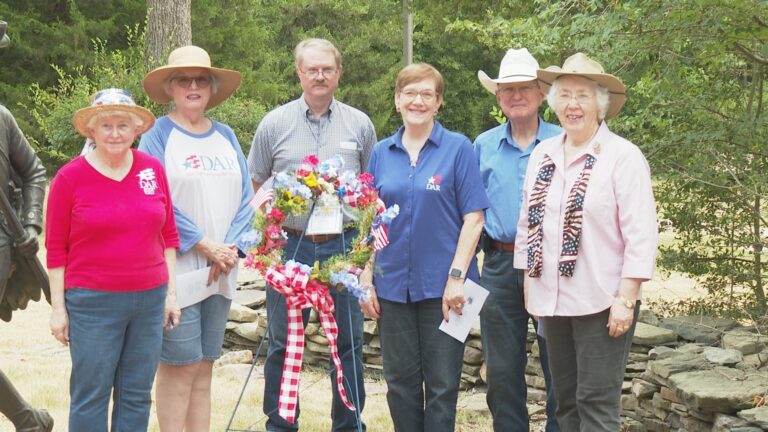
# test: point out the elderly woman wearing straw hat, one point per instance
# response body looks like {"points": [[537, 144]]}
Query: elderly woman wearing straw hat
{"points": [[587, 239], [211, 190], [111, 239]]}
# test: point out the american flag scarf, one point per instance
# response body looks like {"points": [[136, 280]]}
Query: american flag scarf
{"points": [[572, 224]]}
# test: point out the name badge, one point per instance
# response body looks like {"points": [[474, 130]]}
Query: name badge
{"points": [[326, 219], [348, 145]]}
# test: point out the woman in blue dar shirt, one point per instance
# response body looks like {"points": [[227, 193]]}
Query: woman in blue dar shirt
{"points": [[432, 174]]}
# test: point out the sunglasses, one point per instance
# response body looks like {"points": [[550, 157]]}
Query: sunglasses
{"points": [[186, 82]]}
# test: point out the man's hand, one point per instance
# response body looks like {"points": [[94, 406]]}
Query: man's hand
{"points": [[29, 245]]}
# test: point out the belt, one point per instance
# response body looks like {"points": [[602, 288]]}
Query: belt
{"points": [[314, 238], [501, 246]]}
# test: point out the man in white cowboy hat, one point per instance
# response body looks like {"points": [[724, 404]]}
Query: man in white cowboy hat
{"points": [[315, 123], [22, 177], [503, 154]]}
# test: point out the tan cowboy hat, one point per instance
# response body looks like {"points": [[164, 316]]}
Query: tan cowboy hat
{"points": [[518, 65], [580, 64], [108, 100], [186, 57]]}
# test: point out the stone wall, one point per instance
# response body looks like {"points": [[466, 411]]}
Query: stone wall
{"points": [[696, 374], [683, 374]]}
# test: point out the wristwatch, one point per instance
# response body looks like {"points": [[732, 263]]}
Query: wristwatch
{"points": [[629, 304], [456, 273]]}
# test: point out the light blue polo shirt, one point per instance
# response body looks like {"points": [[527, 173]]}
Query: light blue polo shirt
{"points": [[502, 167], [433, 197]]}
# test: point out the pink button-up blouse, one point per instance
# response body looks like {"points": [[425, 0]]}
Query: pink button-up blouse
{"points": [[619, 229]]}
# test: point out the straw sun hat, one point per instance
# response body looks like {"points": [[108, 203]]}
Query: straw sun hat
{"points": [[109, 100], [581, 65], [187, 57]]}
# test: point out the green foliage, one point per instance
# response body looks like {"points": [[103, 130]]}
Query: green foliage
{"points": [[52, 107], [58, 32], [242, 114], [739, 306]]}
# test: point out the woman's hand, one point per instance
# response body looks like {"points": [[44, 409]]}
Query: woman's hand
{"points": [[60, 325], [453, 296], [223, 256], [371, 308], [172, 314], [619, 318]]}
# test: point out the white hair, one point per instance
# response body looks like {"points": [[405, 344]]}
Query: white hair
{"points": [[136, 120], [602, 95]]}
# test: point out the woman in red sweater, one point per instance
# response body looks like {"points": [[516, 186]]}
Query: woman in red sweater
{"points": [[111, 239]]}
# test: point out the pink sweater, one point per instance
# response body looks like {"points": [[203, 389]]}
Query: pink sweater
{"points": [[110, 235]]}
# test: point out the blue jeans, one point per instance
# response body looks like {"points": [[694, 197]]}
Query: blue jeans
{"points": [[346, 307], [504, 324], [422, 366], [114, 341]]}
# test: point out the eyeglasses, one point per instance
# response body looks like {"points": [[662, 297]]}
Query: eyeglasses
{"points": [[524, 90], [581, 98], [186, 82], [427, 96], [326, 73], [121, 127]]}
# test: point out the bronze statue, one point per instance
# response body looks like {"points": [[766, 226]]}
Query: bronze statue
{"points": [[22, 189]]}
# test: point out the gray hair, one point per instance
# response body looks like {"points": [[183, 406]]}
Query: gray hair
{"points": [[167, 82], [320, 44], [602, 95], [136, 120]]}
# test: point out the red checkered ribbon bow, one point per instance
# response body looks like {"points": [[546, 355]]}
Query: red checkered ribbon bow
{"points": [[301, 292]]}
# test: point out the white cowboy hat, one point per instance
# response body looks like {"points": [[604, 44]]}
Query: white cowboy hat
{"points": [[186, 57], [108, 100], [580, 64], [517, 65]]}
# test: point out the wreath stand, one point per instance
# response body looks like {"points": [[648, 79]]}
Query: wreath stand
{"points": [[355, 402]]}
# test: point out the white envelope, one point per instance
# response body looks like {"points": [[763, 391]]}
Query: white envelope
{"points": [[459, 326]]}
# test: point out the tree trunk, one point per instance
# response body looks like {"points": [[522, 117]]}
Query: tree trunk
{"points": [[758, 261], [169, 26], [407, 32]]}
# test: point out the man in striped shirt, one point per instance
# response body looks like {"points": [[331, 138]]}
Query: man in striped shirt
{"points": [[315, 123]]}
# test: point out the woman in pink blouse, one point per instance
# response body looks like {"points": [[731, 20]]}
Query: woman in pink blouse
{"points": [[587, 239], [111, 239]]}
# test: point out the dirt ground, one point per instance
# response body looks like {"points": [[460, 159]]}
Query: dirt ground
{"points": [[40, 368]]}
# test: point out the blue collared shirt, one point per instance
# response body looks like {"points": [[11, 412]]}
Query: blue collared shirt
{"points": [[502, 168], [433, 197]]}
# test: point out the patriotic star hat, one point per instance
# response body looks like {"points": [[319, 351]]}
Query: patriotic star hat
{"points": [[108, 101]]}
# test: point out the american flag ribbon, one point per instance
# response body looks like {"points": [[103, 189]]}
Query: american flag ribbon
{"points": [[300, 292], [262, 196]]}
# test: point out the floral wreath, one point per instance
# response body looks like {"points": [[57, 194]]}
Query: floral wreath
{"points": [[321, 183], [306, 286]]}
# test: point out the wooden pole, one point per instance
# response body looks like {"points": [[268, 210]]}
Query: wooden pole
{"points": [[407, 32]]}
